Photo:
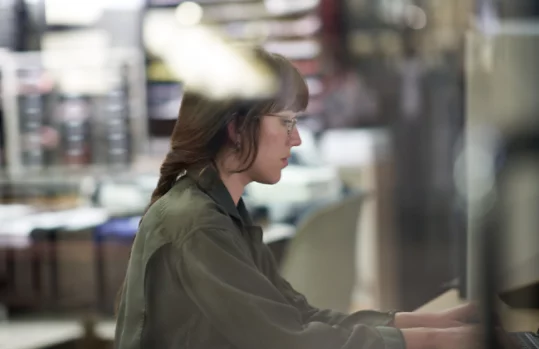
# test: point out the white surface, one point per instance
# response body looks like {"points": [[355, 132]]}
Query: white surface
{"points": [[297, 49], [350, 148], [117, 197], [283, 7], [85, 217], [78, 218], [16, 232], [38, 334], [13, 211], [278, 232], [105, 330], [298, 184]]}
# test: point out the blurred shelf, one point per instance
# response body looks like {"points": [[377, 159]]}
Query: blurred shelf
{"points": [[175, 3], [228, 11], [40, 334], [295, 49], [217, 18]]}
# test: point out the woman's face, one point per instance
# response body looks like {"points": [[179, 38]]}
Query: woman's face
{"points": [[278, 134]]}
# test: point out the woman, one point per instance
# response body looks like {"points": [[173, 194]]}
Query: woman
{"points": [[200, 276]]}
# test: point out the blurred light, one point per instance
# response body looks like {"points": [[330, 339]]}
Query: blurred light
{"points": [[309, 24], [391, 10], [157, 28], [233, 73], [487, 19], [282, 7], [188, 13], [205, 63], [475, 169], [314, 86], [200, 58], [69, 12], [295, 49], [415, 17]]}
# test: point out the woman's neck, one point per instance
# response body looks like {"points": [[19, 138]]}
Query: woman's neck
{"points": [[235, 183]]}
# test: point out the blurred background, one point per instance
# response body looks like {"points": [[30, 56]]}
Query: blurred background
{"points": [[412, 105]]}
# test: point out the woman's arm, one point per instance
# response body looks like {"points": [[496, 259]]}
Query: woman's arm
{"points": [[419, 338], [250, 312], [310, 313], [415, 320], [464, 337], [452, 317]]}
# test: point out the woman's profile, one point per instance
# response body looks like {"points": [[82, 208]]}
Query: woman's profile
{"points": [[199, 275]]}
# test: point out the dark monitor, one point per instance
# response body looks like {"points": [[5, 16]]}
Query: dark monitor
{"points": [[9, 24], [519, 9], [33, 24], [502, 134]]}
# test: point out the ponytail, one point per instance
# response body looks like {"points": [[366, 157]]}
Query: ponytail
{"points": [[170, 170]]}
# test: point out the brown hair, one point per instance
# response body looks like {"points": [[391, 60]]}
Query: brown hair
{"points": [[201, 130]]}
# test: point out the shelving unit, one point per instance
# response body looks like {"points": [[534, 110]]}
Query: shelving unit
{"points": [[60, 123], [47, 90]]}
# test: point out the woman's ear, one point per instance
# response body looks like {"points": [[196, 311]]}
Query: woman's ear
{"points": [[233, 135]]}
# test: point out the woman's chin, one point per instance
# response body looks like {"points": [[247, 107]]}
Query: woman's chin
{"points": [[274, 179]]}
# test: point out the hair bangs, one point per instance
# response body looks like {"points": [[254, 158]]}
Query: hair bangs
{"points": [[292, 92]]}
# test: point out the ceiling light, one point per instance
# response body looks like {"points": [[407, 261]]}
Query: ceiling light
{"points": [[188, 13]]}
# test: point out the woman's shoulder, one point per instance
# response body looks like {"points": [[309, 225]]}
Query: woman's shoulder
{"points": [[179, 213]]}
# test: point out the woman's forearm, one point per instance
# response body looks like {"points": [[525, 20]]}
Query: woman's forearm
{"points": [[465, 337], [415, 320], [420, 338]]}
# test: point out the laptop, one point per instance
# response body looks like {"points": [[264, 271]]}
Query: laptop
{"points": [[524, 340], [489, 259]]}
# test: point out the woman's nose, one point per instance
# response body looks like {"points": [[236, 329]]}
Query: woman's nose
{"points": [[295, 138]]}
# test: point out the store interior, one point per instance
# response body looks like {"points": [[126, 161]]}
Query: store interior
{"points": [[405, 112]]}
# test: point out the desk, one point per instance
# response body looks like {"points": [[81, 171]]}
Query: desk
{"points": [[38, 334], [514, 320], [278, 232], [105, 329]]}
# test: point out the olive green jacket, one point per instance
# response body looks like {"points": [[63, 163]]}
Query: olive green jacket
{"points": [[200, 277]]}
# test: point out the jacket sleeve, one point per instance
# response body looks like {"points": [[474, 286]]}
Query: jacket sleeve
{"points": [[219, 275], [310, 313]]}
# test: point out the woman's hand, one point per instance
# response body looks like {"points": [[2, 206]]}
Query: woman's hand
{"points": [[463, 337], [463, 314], [459, 337], [453, 317]]}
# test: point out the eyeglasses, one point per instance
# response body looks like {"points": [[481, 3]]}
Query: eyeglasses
{"points": [[287, 121]]}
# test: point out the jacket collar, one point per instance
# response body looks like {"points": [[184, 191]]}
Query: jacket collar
{"points": [[207, 178]]}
